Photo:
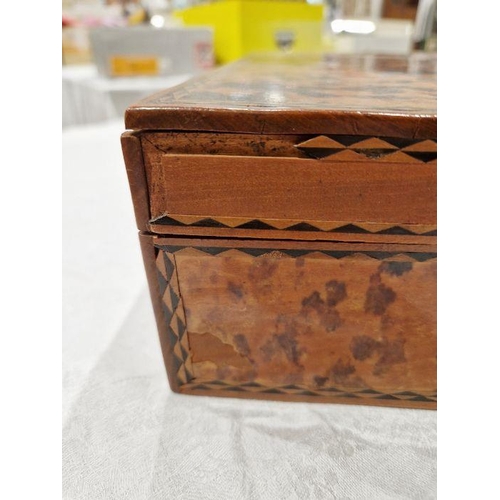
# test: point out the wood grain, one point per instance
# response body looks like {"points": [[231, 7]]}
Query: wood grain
{"points": [[288, 188], [357, 324], [134, 163], [301, 94]]}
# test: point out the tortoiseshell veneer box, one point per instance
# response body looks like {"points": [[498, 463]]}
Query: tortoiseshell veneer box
{"points": [[287, 217]]}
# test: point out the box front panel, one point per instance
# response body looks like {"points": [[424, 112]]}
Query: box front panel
{"points": [[299, 187], [253, 187], [309, 321]]}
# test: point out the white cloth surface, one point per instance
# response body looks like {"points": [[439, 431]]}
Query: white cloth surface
{"points": [[89, 98], [127, 436]]}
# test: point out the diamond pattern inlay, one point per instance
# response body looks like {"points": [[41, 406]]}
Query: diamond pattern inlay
{"points": [[174, 315], [294, 253], [331, 392], [357, 148], [294, 225], [373, 143]]}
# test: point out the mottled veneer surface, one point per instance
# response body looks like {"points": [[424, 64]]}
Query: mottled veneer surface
{"points": [[326, 323]]}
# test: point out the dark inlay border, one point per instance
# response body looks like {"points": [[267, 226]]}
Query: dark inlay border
{"points": [[255, 388], [165, 220], [335, 254]]}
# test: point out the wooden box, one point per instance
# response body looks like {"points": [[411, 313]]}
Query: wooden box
{"points": [[287, 217]]}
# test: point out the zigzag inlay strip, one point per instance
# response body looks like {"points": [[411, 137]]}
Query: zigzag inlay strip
{"points": [[294, 253], [266, 225], [174, 315], [371, 148], [331, 392]]}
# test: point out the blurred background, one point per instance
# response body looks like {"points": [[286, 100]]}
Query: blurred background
{"points": [[116, 52]]}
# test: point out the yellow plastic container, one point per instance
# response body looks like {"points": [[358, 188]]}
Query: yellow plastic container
{"points": [[246, 26]]}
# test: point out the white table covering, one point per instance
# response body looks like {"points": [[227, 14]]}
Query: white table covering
{"points": [[127, 436], [89, 98]]}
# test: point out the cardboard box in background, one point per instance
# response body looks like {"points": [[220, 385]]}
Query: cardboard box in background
{"points": [[76, 45], [148, 51]]}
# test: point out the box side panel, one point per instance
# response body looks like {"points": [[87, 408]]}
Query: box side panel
{"points": [[299, 321], [134, 163]]}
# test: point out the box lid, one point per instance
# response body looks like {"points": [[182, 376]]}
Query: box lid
{"points": [[393, 96]]}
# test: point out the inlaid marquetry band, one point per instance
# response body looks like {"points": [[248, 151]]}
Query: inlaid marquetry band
{"points": [[298, 390], [296, 252], [178, 339], [361, 148], [294, 225], [173, 312]]}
